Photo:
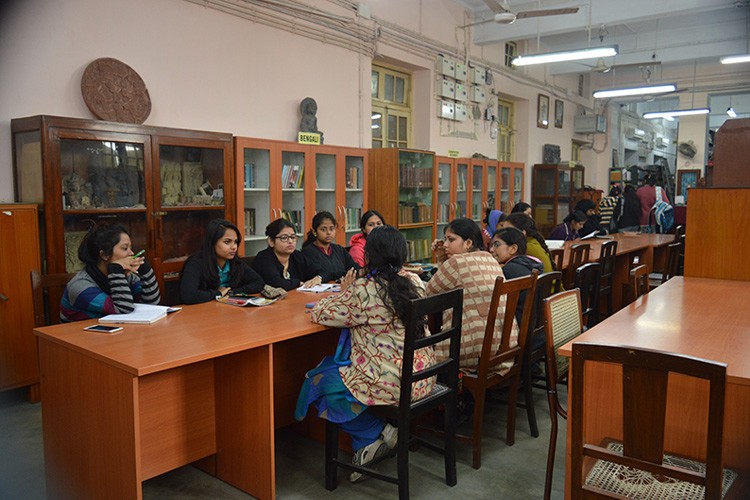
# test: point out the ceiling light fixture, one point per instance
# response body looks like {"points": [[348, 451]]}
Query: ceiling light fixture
{"points": [[567, 55], [735, 59], [677, 112], [731, 112], [650, 89]]}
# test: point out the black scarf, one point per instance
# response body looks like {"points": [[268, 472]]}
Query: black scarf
{"points": [[99, 277]]}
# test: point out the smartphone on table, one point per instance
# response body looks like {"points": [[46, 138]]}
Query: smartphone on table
{"points": [[103, 328]]}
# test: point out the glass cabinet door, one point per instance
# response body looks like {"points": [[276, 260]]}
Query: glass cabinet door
{"points": [[293, 191], [491, 186], [517, 185], [444, 195], [477, 200], [325, 184], [462, 174], [101, 181], [355, 194], [564, 188], [257, 198], [505, 201], [415, 202]]}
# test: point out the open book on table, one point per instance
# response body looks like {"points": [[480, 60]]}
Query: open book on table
{"points": [[323, 287], [245, 301], [143, 314]]}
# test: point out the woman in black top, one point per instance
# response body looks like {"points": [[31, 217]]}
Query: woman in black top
{"points": [[281, 264], [331, 259], [217, 269], [628, 211]]}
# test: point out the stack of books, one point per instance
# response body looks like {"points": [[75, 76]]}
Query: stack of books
{"points": [[292, 176]]}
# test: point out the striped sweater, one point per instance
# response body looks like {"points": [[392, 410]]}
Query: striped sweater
{"points": [[83, 299], [475, 272]]}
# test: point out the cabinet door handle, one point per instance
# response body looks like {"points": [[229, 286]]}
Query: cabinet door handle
{"points": [[3, 297]]}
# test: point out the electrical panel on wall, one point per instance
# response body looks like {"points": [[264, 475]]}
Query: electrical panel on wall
{"points": [[446, 109], [448, 88], [461, 113], [477, 94], [446, 66], [461, 74], [457, 84]]}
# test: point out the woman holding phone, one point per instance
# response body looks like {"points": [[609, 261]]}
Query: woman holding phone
{"points": [[113, 279]]}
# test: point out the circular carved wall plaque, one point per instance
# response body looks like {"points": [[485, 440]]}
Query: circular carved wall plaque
{"points": [[113, 91]]}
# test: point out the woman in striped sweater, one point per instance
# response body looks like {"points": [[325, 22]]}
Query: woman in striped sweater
{"points": [[113, 280]]}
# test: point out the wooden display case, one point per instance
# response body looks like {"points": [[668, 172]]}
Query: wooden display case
{"points": [[295, 181], [511, 184], [400, 186], [452, 190], [164, 185], [484, 182], [553, 189]]}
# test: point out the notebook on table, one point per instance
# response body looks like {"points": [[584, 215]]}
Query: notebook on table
{"points": [[144, 314]]}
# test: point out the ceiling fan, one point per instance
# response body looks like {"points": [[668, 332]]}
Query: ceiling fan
{"points": [[503, 14]]}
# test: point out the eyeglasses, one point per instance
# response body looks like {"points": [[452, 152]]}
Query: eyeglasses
{"points": [[286, 237], [498, 244]]}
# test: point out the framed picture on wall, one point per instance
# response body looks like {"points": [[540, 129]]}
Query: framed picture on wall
{"points": [[559, 106], [542, 111], [687, 179]]}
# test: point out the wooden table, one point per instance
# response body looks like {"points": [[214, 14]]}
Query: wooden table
{"points": [[649, 249], [210, 381], [701, 317]]}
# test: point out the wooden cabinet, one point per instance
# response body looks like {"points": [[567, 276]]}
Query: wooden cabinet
{"points": [[400, 186], [162, 184], [554, 187], [285, 179], [484, 186], [19, 244], [511, 184], [452, 193]]}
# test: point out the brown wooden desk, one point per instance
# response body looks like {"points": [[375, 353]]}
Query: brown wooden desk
{"points": [[209, 381], [650, 249], [705, 318]]}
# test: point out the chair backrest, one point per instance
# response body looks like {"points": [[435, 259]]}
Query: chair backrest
{"points": [[579, 255], [546, 285], [639, 281], [679, 232], [429, 311], [564, 322], [557, 255], [607, 257], [645, 375], [45, 313], [672, 267], [588, 281], [512, 289]]}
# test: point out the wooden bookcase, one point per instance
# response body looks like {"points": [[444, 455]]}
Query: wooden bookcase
{"points": [[164, 185], [295, 181], [511, 187], [554, 187], [400, 186]]}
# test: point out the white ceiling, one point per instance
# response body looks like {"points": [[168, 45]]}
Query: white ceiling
{"points": [[673, 32]]}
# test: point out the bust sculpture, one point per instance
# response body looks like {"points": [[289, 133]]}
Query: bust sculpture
{"points": [[309, 122]]}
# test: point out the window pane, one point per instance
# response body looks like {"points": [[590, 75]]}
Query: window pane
{"points": [[402, 128], [388, 88], [377, 126], [400, 84], [392, 127], [377, 144], [374, 84]]}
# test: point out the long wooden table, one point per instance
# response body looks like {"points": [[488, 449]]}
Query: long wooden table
{"points": [[650, 249], [701, 317], [209, 382]]}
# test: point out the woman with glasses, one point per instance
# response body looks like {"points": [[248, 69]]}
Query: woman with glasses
{"points": [[319, 248], [281, 265], [216, 270]]}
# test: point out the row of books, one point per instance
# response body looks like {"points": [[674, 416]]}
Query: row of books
{"points": [[250, 178], [418, 249], [352, 178], [352, 218], [295, 217], [249, 222], [411, 213], [292, 176], [444, 211], [410, 176]]}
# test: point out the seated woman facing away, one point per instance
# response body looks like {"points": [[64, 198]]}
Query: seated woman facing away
{"points": [[366, 369], [521, 208], [217, 270], [568, 229], [113, 279], [370, 220], [331, 259], [281, 265], [535, 244], [464, 264]]}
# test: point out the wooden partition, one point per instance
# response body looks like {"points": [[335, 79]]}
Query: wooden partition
{"points": [[717, 239]]}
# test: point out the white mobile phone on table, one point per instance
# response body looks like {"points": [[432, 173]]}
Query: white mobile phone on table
{"points": [[103, 328]]}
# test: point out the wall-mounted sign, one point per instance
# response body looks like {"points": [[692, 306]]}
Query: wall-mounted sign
{"points": [[453, 153], [308, 138]]}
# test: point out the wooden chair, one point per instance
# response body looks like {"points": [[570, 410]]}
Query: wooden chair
{"points": [[486, 376], [563, 323], [558, 255], [588, 279], [546, 285], [671, 268], [679, 232], [638, 281], [607, 259], [443, 393], [579, 255], [46, 306], [645, 381]]}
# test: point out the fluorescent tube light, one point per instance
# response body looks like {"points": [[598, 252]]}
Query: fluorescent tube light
{"points": [[652, 89], [677, 112], [731, 113], [567, 55], [735, 59]]}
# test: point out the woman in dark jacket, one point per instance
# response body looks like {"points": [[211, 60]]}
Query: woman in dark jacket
{"points": [[331, 259], [630, 212], [281, 264], [593, 222], [569, 228]]}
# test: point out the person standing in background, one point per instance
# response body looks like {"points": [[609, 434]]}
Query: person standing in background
{"points": [[607, 207], [628, 212], [647, 196]]}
